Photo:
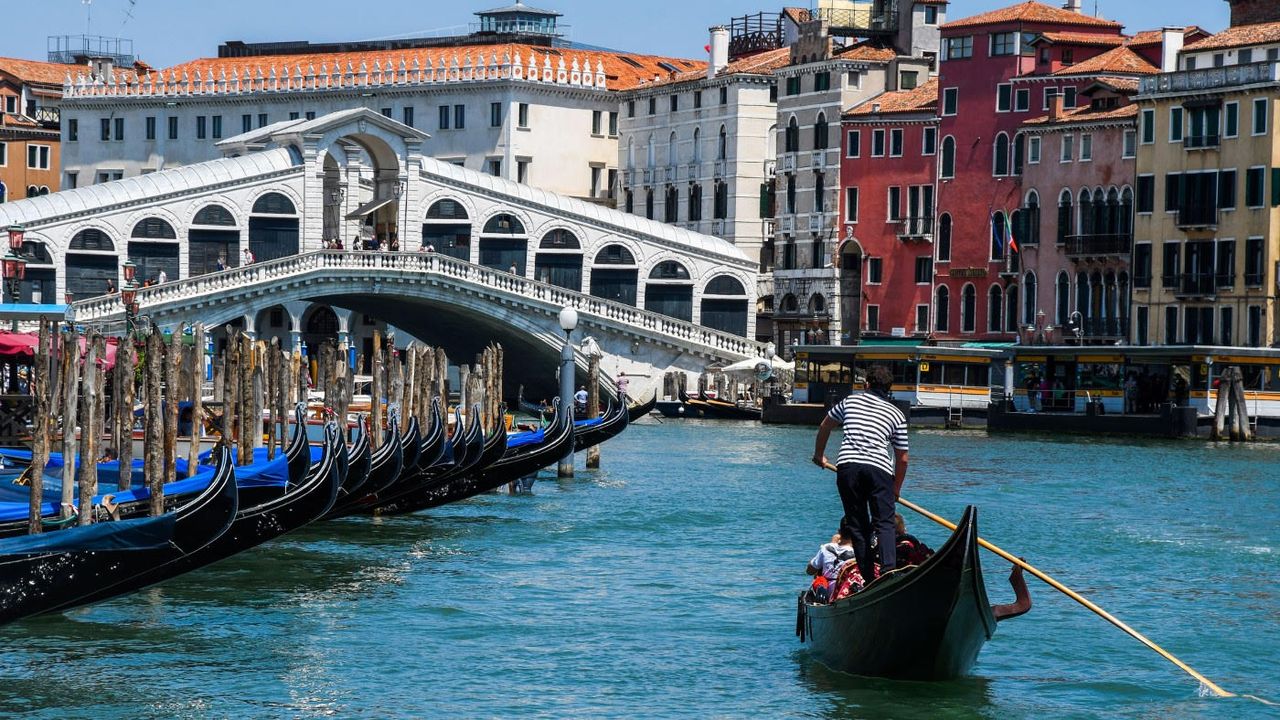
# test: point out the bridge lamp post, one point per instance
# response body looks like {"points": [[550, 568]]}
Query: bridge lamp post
{"points": [[129, 298], [568, 322]]}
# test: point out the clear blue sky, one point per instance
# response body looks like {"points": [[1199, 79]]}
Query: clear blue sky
{"points": [[166, 32]]}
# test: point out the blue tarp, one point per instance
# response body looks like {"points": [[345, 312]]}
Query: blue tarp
{"points": [[142, 534], [521, 439]]}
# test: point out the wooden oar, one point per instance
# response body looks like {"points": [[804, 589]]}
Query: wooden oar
{"points": [[1073, 595]]}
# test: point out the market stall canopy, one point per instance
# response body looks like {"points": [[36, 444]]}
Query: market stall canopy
{"points": [[24, 345], [370, 208]]}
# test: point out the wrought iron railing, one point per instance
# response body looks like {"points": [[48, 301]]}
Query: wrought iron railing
{"points": [[1196, 142], [1099, 245], [1198, 216], [1105, 327], [915, 227], [1204, 283]]}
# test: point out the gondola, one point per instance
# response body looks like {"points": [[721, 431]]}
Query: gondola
{"points": [[358, 457], [252, 525], [433, 458], [720, 409], [519, 462], [918, 623], [635, 411], [474, 454], [384, 469], [43, 573], [589, 433]]}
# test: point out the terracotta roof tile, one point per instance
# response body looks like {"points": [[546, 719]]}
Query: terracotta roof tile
{"points": [[1121, 61], [798, 15], [1125, 85], [920, 99], [761, 63], [1190, 34], [866, 51], [1079, 38], [40, 72], [624, 70], [1239, 36], [1087, 114], [1032, 11]]}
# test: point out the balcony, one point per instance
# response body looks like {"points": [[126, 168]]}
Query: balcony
{"points": [[1219, 78], [669, 174], [1198, 216], [789, 162], [915, 228], [1082, 246], [1105, 328], [860, 20], [819, 159], [815, 222], [695, 171], [1202, 142], [49, 118], [788, 224], [1203, 284], [717, 228], [721, 168]]}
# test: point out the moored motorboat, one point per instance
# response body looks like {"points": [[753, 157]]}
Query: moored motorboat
{"points": [[926, 622], [715, 408]]}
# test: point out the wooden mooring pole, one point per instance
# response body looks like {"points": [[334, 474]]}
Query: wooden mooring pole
{"points": [[153, 421], [122, 434], [70, 407], [40, 443], [88, 456], [593, 405], [375, 393], [197, 399]]}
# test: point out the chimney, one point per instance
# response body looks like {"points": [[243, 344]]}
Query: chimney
{"points": [[719, 50], [1057, 107], [1253, 12], [1073, 6], [1171, 41]]}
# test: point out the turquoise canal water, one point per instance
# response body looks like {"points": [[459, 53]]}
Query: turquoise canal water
{"points": [[663, 585]]}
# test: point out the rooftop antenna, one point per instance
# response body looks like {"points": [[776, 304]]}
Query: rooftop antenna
{"points": [[88, 15]]}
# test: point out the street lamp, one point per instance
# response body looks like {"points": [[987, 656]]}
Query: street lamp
{"points": [[16, 234], [129, 298], [568, 322], [15, 268]]}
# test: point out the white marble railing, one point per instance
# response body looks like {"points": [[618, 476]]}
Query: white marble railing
{"points": [[397, 72], [341, 264]]}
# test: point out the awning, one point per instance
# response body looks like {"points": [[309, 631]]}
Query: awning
{"points": [[29, 311], [25, 345], [369, 208]]}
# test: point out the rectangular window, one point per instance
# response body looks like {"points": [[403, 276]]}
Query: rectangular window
{"points": [[1148, 127], [895, 142], [4, 154], [1261, 106], [853, 145], [653, 106], [1022, 100], [1245, 57], [877, 143], [950, 101], [922, 311], [1033, 150], [1171, 325], [173, 128], [495, 115], [1232, 125], [105, 127], [263, 120], [1255, 326], [1086, 147], [73, 130], [294, 115], [1172, 192], [675, 103], [930, 15], [1144, 325], [895, 204], [631, 108], [929, 143], [875, 270], [613, 124], [1176, 123], [459, 117], [217, 127], [1068, 148], [959, 48], [73, 181], [873, 318], [444, 117], [697, 99], [1226, 189], [385, 112], [1169, 270], [310, 114], [246, 123], [1129, 144], [202, 127], [407, 115], [522, 115], [522, 171], [1225, 264], [1255, 187], [1069, 97], [37, 157], [851, 204], [1146, 194], [924, 270], [819, 192], [597, 121], [1142, 265], [908, 80], [1049, 95], [1003, 44], [1004, 97], [724, 93], [495, 168], [821, 81], [119, 126], [1253, 274]]}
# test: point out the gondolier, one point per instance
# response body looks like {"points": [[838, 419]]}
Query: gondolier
{"points": [[869, 477]]}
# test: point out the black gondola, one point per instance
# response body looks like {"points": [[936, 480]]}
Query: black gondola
{"points": [[433, 458], [614, 421], [358, 457], [384, 469], [43, 573], [919, 623], [475, 453], [253, 525], [635, 411]]}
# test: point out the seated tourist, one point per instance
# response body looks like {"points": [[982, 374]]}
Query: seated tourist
{"points": [[108, 455], [910, 550], [825, 566]]}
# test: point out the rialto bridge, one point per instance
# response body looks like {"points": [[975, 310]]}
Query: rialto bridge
{"points": [[329, 227]]}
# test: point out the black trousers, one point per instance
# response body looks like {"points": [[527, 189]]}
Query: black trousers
{"points": [[866, 492]]}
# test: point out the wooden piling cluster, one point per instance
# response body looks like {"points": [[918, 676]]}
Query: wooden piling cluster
{"points": [[1231, 414], [593, 404]]}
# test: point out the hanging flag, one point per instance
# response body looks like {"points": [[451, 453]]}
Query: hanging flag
{"points": [[997, 233], [1013, 242]]}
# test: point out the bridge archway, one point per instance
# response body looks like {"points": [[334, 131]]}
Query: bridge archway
{"points": [[724, 305], [504, 243], [363, 186], [615, 275], [669, 291], [213, 240], [91, 263], [559, 260], [447, 229], [273, 227]]}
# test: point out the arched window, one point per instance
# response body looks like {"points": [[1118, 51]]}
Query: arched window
{"points": [[1095, 295], [1029, 303], [995, 309], [648, 203], [91, 263], [153, 249], [153, 229], [1001, 166], [1066, 213], [697, 144], [447, 210], [615, 255], [998, 232], [948, 160], [724, 305], [671, 205], [1125, 226], [820, 132], [447, 229], [652, 157], [670, 291], [559, 260], [1019, 153], [4, 193], [722, 145], [968, 308], [214, 215], [1082, 295], [1113, 212], [792, 138], [504, 224], [669, 270], [1011, 309], [33, 191], [1100, 214], [672, 147], [695, 201], [631, 153], [1027, 231], [274, 204], [1086, 223], [942, 309], [1062, 309], [944, 238], [790, 305], [559, 239], [725, 285], [817, 305], [92, 240]]}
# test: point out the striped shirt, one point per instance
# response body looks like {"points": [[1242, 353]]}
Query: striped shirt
{"points": [[871, 426]]}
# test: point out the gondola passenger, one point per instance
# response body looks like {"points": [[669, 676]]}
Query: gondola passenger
{"points": [[825, 566], [910, 551]]}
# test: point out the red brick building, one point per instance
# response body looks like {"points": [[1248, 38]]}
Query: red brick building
{"points": [[888, 180]]}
